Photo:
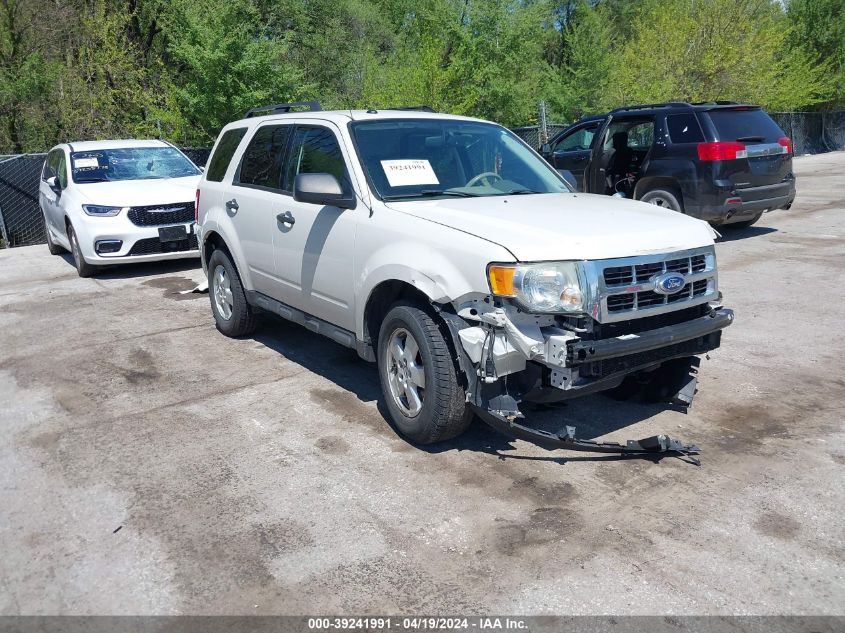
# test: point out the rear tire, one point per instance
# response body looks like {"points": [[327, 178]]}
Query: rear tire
{"points": [[418, 377], [82, 267], [232, 313], [665, 198], [744, 224]]}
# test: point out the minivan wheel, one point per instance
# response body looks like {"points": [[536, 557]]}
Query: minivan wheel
{"points": [[233, 315], [663, 198], [418, 377], [82, 267]]}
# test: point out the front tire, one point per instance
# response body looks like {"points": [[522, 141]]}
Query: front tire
{"points": [[82, 267], [665, 198], [232, 313], [418, 377]]}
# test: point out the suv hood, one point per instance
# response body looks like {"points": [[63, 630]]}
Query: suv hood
{"points": [[140, 193], [564, 226]]}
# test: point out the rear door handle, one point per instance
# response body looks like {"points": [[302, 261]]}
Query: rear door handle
{"points": [[286, 218], [232, 205]]}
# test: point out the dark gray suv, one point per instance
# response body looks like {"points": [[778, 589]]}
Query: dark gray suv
{"points": [[723, 162]]}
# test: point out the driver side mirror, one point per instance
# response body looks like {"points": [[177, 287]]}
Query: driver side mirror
{"points": [[321, 189], [54, 185]]}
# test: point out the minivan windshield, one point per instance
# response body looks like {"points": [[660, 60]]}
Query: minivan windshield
{"points": [[408, 159], [130, 163]]}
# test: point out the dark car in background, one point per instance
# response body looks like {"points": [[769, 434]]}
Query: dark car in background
{"points": [[723, 162]]}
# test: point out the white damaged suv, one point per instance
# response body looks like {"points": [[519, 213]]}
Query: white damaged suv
{"points": [[447, 251], [119, 202]]}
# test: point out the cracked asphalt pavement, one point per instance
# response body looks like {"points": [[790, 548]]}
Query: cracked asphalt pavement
{"points": [[258, 476]]}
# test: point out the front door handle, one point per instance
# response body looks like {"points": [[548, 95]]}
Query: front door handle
{"points": [[286, 218], [232, 206]]}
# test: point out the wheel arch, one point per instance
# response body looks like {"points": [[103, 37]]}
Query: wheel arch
{"points": [[651, 183]]}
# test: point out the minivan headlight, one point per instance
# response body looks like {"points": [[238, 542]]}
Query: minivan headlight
{"points": [[100, 210], [544, 287]]}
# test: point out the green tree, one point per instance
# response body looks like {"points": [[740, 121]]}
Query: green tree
{"points": [[819, 27]]}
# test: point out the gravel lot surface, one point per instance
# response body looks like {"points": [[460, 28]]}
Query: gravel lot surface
{"points": [[258, 476]]}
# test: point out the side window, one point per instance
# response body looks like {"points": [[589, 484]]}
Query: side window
{"points": [[578, 140], [219, 162], [684, 128], [61, 170], [635, 134], [261, 165], [641, 135], [315, 150], [49, 165]]}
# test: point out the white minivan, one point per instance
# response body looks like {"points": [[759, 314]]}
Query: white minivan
{"points": [[116, 202]]}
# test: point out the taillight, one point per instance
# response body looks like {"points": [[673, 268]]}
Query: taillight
{"points": [[197, 208], [722, 150], [787, 143]]}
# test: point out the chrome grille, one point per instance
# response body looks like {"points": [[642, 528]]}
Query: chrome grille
{"points": [[162, 214], [624, 288]]}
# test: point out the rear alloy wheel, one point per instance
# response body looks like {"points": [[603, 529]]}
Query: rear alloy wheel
{"points": [[232, 313], [82, 267], [418, 377], [663, 198]]}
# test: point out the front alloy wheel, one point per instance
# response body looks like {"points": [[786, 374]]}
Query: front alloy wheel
{"points": [[405, 372]]}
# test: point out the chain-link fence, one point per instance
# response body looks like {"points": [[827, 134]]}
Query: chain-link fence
{"points": [[811, 132], [21, 221]]}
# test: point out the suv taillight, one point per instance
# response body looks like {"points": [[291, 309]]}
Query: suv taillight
{"points": [[722, 150], [197, 208], [787, 143]]}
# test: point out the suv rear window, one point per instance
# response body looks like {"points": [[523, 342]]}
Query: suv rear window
{"points": [[738, 125], [219, 161]]}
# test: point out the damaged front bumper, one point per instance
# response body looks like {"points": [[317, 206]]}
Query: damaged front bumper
{"points": [[545, 362]]}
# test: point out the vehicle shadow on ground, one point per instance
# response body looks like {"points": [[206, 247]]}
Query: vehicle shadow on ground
{"points": [[731, 235], [140, 269], [593, 416]]}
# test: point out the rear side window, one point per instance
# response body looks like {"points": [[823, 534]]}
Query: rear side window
{"points": [[315, 150], [745, 125], [261, 165], [684, 128], [219, 161]]}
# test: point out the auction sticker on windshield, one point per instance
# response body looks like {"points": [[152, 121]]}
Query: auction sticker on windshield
{"points": [[402, 173], [83, 163]]}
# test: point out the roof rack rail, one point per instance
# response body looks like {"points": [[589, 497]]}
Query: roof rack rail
{"points": [[418, 108], [650, 106], [309, 106]]}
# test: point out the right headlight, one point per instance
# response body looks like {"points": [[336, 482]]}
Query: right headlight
{"points": [[543, 287], [100, 210]]}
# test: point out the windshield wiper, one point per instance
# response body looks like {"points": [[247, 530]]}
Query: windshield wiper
{"points": [[519, 192], [750, 138], [82, 181], [430, 193]]}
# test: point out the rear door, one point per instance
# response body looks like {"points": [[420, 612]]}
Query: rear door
{"points": [[765, 159], [256, 198], [572, 150]]}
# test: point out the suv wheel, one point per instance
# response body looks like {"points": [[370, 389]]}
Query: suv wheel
{"points": [[233, 315], [82, 267], [663, 198], [418, 377]]}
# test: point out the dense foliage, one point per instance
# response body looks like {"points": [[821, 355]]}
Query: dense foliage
{"points": [[180, 69]]}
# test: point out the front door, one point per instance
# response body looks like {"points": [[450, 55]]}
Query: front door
{"points": [[572, 151], [314, 245]]}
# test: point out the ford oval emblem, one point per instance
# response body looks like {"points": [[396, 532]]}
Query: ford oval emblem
{"points": [[669, 283]]}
